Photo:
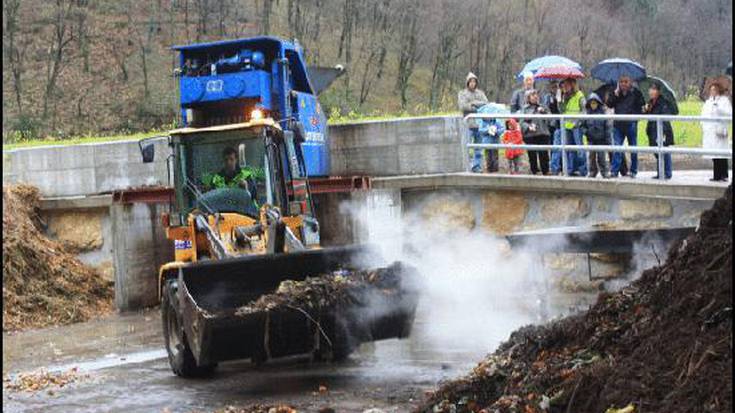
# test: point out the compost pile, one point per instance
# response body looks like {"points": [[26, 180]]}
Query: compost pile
{"points": [[662, 344], [327, 291], [43, 283]]}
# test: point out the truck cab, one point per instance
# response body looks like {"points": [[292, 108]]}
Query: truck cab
{"points": [[235, 81]]}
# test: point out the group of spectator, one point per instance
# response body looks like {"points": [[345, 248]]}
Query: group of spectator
{"points": [[564, 97]]}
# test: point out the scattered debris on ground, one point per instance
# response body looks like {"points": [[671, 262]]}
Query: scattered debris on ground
{"points": [[42, 380], [661, 344], [282, 408], [43, 283]]}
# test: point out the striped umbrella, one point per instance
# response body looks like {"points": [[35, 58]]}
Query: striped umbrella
{"points": [[546, 61], [558, 72]]}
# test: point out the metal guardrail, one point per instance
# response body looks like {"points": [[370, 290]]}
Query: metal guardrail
{"points": [[660, 149]]}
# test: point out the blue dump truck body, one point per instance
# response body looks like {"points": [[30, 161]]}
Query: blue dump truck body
{"points": [[223, 82]]}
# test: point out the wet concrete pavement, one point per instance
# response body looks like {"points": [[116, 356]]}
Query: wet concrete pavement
{"points": [[125, 369]]}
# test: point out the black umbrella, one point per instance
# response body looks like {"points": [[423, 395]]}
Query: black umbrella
{"points": [[667, 92], [604, 91], [728, 69]]}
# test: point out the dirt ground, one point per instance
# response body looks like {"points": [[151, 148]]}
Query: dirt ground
{"points": [[121, 366]]}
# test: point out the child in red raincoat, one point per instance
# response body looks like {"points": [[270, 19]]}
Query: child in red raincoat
{"points": [[513, 136]]}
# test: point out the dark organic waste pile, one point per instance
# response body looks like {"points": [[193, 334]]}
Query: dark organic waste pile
{"points": [[662, 344], [43, 284]]}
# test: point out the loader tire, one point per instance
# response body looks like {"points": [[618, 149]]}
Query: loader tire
{"points": [[180, 357]]}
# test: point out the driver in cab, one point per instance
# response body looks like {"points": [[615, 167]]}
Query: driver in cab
{"points": [[232, 175]]}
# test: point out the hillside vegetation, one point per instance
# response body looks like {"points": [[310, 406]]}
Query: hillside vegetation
{"points": [[79, 67]]}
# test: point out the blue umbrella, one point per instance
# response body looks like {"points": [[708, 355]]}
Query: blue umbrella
{"points": [[610, 70], [491, 108], [546, 61]]}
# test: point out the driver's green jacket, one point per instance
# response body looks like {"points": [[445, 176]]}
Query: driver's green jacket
{"points": [[248, 174], [218, 180]]}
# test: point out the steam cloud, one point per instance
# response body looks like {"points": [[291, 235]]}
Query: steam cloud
{"points": [[474, 290]]}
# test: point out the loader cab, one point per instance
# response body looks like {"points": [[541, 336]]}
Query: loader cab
{"points": [[268, 156]]}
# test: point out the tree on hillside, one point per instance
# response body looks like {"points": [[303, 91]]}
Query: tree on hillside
{"points": [[375, 46], [408, 51], [77, 66], [61, 36]]}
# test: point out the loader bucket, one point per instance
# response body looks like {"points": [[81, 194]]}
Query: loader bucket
{"points": [[211, 292]]}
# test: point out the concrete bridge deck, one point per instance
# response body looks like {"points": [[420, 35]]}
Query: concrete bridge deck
{"points": [[694, 185]]}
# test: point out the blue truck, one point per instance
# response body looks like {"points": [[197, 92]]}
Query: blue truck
{"points": [[225, 81]]}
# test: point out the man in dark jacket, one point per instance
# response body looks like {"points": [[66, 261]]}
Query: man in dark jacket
{"points": [[536, 132], [626, 100], [548, 100], [657, 105], [597, 134]]}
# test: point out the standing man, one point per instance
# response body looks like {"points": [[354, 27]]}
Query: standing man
{"points": [[548, 100], [518, 99], [573, 102], [469, 100], [554, 103], [626, 100]]}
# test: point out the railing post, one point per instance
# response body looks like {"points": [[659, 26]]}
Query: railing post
{"points": [[464, 140], [660, 144], [563, 135]]}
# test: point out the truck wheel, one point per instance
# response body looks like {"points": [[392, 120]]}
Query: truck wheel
{"points": [[180, 357]]}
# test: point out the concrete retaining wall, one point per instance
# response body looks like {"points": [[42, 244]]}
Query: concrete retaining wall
{"points": [[395, 147], [85, 169], [140, 249]]}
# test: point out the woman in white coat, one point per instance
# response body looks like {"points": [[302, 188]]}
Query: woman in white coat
{"points": [[715, 134]]}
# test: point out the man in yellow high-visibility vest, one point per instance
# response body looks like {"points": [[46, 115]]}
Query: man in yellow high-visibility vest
{"points": [[573, 102]]}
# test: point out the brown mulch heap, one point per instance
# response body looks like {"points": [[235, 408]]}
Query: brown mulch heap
{"points": [[43, 283], [328, 290], [662, 344]]}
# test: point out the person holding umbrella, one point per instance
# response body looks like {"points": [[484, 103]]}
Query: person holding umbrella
{"points": [[658, 105], [572, 101], [604, 92], [625, 100]]}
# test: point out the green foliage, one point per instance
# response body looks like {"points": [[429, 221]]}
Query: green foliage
{"points": [[24, 128]]}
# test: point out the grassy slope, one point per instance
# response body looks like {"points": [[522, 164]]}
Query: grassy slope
{"points": [[686, 134]]}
